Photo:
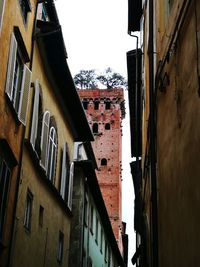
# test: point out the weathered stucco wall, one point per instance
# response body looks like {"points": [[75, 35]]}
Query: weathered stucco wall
{"points": [[178, 142]]}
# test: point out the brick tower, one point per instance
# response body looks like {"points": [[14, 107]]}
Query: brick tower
{"points": [[105, 111]]}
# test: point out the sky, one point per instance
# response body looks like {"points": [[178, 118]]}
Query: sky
{"points": [[95, 34]]}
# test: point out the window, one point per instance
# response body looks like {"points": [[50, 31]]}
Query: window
{"points": [[64, 185], [96, 104], [104, 162], [107, 104], [1, 12], [35, 136], [106, 251], [42, 12], [91, 219], [60, 247], [25, 8], [44, 139], [4, 189], [101, 240], [107, 126], [52, 152], [86, 211], [67, 175], [95, 128], [28, 210], [41, 216], [17, 81], [97, 230]]}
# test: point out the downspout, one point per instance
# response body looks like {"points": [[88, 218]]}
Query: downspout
{"points": [[154, 209], [136, 95], [136, 111]]}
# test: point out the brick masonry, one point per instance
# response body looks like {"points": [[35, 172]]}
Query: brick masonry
{"points": [[105, 110]]}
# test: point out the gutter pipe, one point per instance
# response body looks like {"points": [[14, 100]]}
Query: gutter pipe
{"points": [[154, 209]]}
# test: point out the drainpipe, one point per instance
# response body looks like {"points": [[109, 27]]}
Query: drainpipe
{"points": [[136, 110], [136, 94], [154, 210]]}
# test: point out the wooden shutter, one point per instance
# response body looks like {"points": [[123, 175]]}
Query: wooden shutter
{"points": [[63, 172], [24, 96], [34, 125], [11, 66], [44, 139], [71, 176]]}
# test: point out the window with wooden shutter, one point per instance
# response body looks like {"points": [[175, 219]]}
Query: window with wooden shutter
{"points": [[44, 139], [24, 94], [18, 79], [70, 190], [11, 67], [35, 115]]}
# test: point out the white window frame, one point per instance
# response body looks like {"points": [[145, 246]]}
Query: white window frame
{"points": [[64, 171], [18, 81], [52, 152], [70, 188], [44, 139], [35, 116]]}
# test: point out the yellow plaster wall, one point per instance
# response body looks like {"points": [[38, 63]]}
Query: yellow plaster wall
{"points": [[40, 244]]}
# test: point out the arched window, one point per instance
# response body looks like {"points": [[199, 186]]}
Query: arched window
{"points": [[104, 162], [67, 175], [96, 104], [44, 139], [65, 172], [95, 128], [107, 126], [37, 116], [52, 152], [107, 103]]}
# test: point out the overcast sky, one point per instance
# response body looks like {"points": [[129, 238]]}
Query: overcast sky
{"points": [[95, 34]]}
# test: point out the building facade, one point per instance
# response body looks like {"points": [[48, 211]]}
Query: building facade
{"points": [[105, 111], [41, 118], [16, 25], [164, 70], [92, 240]]}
